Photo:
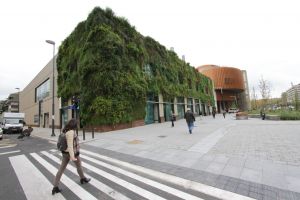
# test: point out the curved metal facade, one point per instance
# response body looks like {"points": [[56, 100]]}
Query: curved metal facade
{"points": [[225, 78], [229, 85]]}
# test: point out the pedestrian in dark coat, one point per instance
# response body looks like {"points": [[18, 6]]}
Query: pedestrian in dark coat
{"points": [[189, 117], [214, 112], [173, 118]]}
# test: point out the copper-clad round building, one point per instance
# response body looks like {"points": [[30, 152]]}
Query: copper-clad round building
{"points": [[230, 86]]}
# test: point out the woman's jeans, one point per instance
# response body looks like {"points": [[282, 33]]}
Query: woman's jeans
{"points": [[64, 162], [191, 126]]}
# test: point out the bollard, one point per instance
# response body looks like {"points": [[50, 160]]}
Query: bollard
{"points": [[93, 132]]}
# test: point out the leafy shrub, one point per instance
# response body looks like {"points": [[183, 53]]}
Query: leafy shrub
{"points": [[290, 115]]}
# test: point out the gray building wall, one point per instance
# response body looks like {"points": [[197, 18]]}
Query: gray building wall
{"points": [[291, 93], [40, 113]]}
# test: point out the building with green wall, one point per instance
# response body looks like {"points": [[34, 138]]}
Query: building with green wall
{"points": [[122, 76]]}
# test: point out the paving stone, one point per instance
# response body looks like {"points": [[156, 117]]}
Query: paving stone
{"points": [[296, 195], [253, 163], [270, 193], [271, 198], [242, 192], [232, 184], [238, 162], [215, 168], [220, 185], [232, 171], [256, 195], [221, 159], [258, 189], [277, 180], [293, 183], [243, 186], [208, 158], [231, 188], [285, 195], [251, 175], [201, 164]]}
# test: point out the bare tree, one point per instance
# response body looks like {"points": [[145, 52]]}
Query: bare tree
{"points": [[265, 90], [253, 98]]}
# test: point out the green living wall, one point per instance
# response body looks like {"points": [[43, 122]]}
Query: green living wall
{"points": [[112, 68]]}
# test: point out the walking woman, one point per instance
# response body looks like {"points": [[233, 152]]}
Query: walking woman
{"points": [[72, 153]]}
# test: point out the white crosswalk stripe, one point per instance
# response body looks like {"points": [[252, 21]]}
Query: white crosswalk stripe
{"points": [[104, 188], [74, 187], [144, 180], [9, 152], [205, 189], [122, 181], [7, 146], [129, 186], [31, 179]]}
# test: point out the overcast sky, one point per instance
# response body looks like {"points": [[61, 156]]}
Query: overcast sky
{"points": [[260, 36]]}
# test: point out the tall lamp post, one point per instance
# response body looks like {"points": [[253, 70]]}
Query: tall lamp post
{"points": [[18, 98], [53, 43]]}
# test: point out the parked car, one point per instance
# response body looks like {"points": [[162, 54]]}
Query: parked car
{"points": [[233, 110]]}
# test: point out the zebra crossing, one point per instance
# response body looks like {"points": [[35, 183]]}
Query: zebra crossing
{"points": [[8, 145], [111, 179]]}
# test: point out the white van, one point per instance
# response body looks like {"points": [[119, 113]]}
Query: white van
{"points": [[12, 122]]}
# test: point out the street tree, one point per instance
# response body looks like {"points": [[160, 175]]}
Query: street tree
{"points": [[265, 90], [254, 98]]}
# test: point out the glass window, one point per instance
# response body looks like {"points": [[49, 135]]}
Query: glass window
{"points": [[42, 91]]}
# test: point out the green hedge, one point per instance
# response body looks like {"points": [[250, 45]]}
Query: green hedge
{"points": [[112, 67], [290, 115]]}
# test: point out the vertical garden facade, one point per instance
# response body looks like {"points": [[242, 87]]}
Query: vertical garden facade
{"points": [[121, 76]]}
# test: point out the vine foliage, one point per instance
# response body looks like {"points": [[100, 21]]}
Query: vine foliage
{"points": [[113, 68]]}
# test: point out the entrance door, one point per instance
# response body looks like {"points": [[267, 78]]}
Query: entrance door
{"points": [[167, 111], [46, 120], [149, 118]]}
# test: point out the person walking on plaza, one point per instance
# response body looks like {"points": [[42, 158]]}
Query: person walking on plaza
{"points": [[224, 113], [71, 153], [173, 118], [214, 112], [189, 117]]}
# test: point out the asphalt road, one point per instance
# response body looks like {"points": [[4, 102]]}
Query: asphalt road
{"points": [[28, 167], [11, 146]]}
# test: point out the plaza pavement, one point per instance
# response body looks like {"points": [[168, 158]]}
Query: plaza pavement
{"points": [[255, 158]]}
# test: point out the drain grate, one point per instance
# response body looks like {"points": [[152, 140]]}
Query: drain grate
{"points": [[162, 136]]}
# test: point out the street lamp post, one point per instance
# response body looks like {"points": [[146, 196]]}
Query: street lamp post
{"points": [[18, 98], [53, 43]]}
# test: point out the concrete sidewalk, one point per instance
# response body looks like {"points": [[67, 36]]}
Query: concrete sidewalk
{"points": [[256, 158], [46, 133]]}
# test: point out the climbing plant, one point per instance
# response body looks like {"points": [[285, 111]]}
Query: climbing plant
{"points": [[112, 67]]}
